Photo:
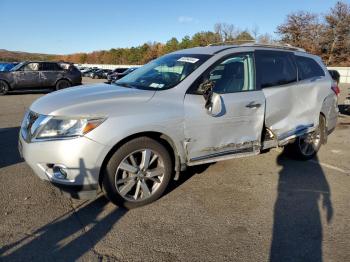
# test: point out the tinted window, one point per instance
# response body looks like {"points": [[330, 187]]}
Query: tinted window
{"points": [[308, 68], [120, 70], [275, 68], [50, 67]]}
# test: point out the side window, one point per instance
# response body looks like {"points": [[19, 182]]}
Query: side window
{"points": [[274, 68], [31, 67], [233, 74], [308, 68], [50, 67], [55, 67]]}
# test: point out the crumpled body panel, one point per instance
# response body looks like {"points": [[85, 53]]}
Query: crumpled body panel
{"points": [[290, 109]]}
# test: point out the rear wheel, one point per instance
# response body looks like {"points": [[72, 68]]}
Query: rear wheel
{"points": [[61, 84], [306, 146], [137, 173], [4, 88]]}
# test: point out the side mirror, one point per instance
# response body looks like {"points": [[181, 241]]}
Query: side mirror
{"points": [[207, 90], [216, 107]]}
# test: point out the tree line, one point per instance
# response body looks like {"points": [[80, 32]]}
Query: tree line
{"points": [[326, 35]]}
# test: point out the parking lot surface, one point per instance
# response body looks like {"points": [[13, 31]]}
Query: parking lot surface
{"points": [[261, 208]]}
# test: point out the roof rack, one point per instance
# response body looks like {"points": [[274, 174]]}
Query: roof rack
{"points": [[231, 42], [253, 43], [280, 46]]}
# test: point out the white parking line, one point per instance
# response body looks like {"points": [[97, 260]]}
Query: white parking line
{"points": [[347, 172]]}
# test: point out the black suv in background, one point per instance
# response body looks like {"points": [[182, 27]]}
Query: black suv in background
{"points": [[29, 75], [114, 76], [103, 73]]}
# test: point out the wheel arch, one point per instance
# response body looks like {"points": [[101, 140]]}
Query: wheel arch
{"points": [[63, 78], [164, 139], [7, 82]]}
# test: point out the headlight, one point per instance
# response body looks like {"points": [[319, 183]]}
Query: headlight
{"points": [[57, 127]]}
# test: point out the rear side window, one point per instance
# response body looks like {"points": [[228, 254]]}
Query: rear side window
{"points": [[274, 68], [50, 67], [308, 68]]}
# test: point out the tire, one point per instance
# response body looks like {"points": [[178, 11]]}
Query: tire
{"points": [[95, 77], [128, 182], [4, 88], [306, 147], [62, 84]]}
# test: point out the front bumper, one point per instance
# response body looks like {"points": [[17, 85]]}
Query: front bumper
{"points": [[80, 157]]}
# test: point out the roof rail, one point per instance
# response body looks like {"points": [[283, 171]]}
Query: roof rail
{"points": [[231, 42], [280, 46]]}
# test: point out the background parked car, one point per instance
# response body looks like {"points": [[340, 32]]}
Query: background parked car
{"points": [[115, 76], [89, 72], [4, 67], [102, 73], [119, 70], [39, 74]]}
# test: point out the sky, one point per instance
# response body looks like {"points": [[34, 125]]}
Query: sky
{"points": [[69, 26]]}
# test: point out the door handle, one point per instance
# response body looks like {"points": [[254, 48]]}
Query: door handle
{"points": [[253, 105]]}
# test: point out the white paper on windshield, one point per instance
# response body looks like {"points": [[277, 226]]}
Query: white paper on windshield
{"points": [[186, 59], [156, 85]]}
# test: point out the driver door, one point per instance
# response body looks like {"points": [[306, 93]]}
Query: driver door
{"points": [[236, 130], [27, 76]]}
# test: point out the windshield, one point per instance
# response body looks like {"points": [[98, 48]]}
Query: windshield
{"points": [[18, 66], [129, 70], [164, 72]]}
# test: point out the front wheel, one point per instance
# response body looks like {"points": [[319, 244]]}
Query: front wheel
{"points": [[4, 88], [306, 146], [137, 173]]}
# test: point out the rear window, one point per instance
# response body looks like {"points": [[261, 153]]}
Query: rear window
{"points": [[308, 68], [275, 68]]}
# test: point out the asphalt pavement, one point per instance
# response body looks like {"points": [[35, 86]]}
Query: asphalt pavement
{"points": [[262, 208]]}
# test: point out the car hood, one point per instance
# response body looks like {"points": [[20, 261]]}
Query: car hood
{"points": [[90, 100]]}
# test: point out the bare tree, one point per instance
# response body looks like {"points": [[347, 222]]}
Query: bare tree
{"points": [[227, 32], [301, 29], [336, 36], [265, 39], [255, 32]]}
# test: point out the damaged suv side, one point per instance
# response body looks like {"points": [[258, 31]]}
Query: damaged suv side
{"points": [[39, 74], [190, 107]]}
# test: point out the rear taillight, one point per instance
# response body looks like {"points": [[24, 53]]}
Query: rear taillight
{"points": [[335, 88]]}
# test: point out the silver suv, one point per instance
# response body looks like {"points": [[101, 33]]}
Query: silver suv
{"points": [[190, 107]]}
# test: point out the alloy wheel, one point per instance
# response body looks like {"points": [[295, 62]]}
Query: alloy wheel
{"points": [[309, 143], [139, 175]]}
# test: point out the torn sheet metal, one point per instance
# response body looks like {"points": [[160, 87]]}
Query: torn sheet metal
{"points": [[294, 106]]}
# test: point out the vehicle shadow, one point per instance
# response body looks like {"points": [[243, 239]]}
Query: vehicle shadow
{"points": [[67, 238], [9, 146], [31, 91], [186, 175], [297, 229]]}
